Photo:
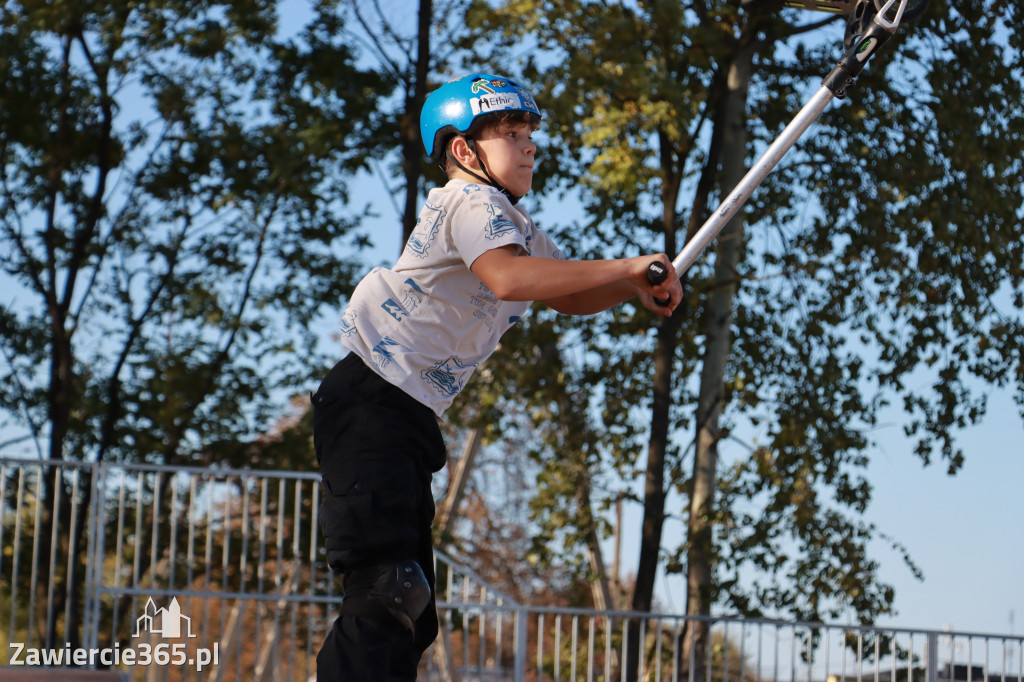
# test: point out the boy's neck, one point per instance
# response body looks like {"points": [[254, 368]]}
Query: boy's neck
{"points": [[459, 174]]}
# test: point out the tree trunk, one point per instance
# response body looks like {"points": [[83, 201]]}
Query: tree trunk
{"points": [[718, 320], [449, 512], [601, 586], [657, 448], [654, 478], [412, 147], [61, 384]]}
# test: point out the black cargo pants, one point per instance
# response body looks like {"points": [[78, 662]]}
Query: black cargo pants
{"points": [[377, 448]]}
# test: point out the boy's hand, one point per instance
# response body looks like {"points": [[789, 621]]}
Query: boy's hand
{"points": [[659, 289]]}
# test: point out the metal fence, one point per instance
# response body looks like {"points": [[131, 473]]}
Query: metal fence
{"points": [[214, 574]]}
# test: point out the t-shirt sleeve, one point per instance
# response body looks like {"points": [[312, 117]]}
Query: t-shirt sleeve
{"points": [[545, 247], [484, 222]]}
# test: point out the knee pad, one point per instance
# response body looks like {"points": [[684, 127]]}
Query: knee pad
{"points": [[405, 587], [401, 589]]}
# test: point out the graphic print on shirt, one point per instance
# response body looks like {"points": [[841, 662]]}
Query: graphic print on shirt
{"points": [[412, 296], [383, 352], [498, 225], [423, 234], [448, 377], [486, 304], [348, 322]]}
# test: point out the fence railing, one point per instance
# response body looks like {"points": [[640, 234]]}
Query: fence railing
{"points": [[176, 573]]}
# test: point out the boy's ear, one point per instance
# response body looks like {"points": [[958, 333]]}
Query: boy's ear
{"points": [[462, 152]]}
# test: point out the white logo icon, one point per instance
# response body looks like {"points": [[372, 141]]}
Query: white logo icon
{"points": [[167, 622]]}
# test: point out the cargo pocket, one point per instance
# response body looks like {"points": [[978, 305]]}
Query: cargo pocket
{"points": [[332, 402], [370, 511]]}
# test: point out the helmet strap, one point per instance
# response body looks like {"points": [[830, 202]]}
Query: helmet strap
{"points": [[486, 179]]}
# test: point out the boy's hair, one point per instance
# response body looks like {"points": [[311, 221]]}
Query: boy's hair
{"points": [[492, 120]]}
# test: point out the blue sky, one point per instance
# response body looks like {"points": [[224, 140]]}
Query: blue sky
{"points": [[965, 532]]}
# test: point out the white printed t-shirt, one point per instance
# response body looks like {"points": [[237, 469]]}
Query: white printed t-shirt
{"points": [[425, 324]]}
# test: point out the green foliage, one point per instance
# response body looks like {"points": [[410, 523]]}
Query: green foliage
{"points": [[171, 213], [882, 269]]}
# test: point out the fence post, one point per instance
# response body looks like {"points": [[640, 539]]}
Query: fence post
{"points": [[93, 560], [933, 657], [519, 646]]}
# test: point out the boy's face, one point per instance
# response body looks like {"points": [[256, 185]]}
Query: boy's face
{"points": [[507, 150]]}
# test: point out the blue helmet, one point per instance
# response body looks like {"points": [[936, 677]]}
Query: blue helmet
{"points": [[454, 106]]}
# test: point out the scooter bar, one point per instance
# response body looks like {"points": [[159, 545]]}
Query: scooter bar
{"points": [[869, 37]]}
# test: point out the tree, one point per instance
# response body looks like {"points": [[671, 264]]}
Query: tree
{"points": [[856, 278], [171, 211], [411, 55]]}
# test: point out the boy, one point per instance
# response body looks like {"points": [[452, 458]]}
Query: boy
{"points": [[415, 334]]}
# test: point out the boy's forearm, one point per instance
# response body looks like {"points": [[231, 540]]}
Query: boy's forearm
{"points": [[522, 278], [594, 300]]}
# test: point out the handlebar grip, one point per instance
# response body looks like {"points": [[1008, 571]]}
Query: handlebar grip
{"points": [[656, 274]]}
